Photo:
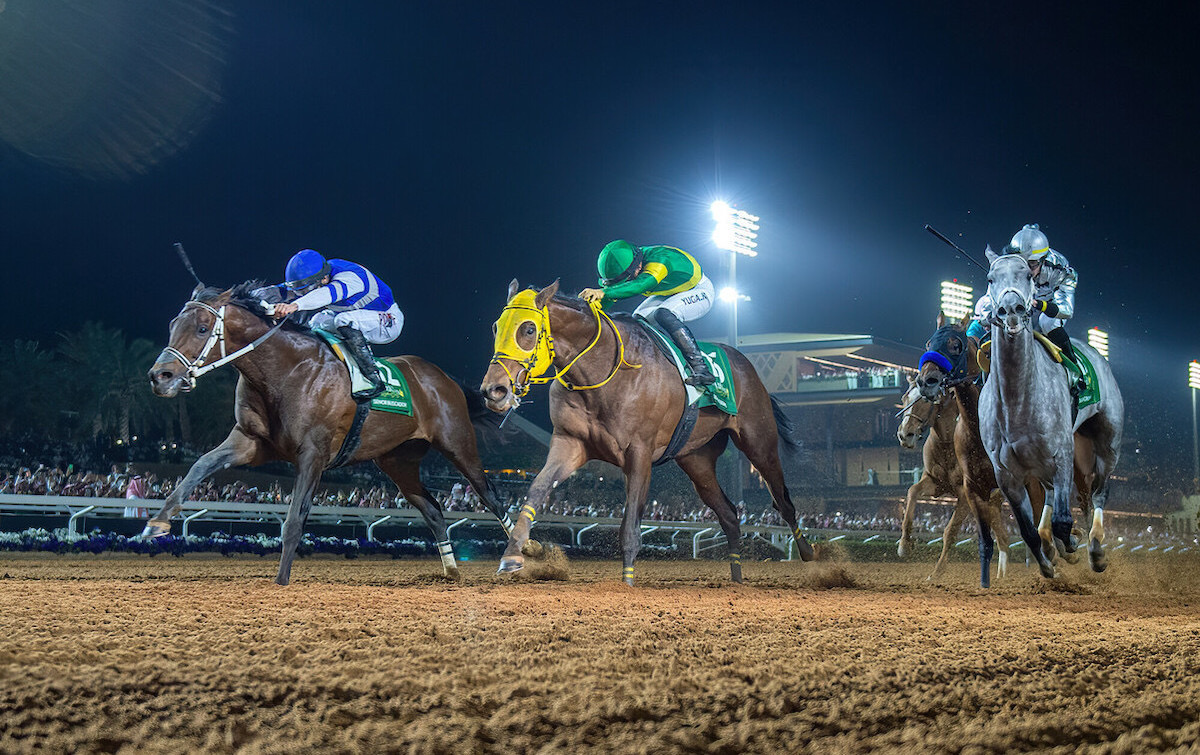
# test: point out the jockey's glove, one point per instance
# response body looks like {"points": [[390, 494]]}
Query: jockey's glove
{"points": [[1049, 307]]}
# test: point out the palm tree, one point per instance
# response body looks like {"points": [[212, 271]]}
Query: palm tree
{"points": [[108, 375], [29, 399]]}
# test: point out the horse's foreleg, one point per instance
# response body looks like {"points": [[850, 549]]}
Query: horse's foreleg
{"points": [[308, 474], [1018, 499], [235, 450], [637, 485], [951, 531], [922, 487], [700, 467], [1063, 521], [994, 510], [986, 544], [566, 455]]}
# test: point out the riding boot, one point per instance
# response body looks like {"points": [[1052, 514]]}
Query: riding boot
{"points": [[1059, 338], [701, 376], [356, 344]]}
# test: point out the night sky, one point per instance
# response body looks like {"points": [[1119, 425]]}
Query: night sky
{"points": [[451, 147]]}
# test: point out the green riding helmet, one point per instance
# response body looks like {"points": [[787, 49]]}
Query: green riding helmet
{"points": [[617, 261]]}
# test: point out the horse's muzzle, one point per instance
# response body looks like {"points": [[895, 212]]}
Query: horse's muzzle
{"points": [[167, 382]]}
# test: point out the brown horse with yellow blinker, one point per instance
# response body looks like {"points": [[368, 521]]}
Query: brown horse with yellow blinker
{"points": [[619, 399], [293, 404]]}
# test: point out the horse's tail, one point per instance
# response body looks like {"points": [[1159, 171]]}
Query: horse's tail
{"points": [[787, 431]]}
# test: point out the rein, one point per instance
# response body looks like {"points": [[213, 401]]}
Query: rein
{"points": [[197, 367], [534, 374]]}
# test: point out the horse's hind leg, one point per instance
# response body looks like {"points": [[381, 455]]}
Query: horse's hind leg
{"points": [[762, 449], [458, 445], [993, 510], [403, 466], [701, 467], [308, 474], [237, 449]]}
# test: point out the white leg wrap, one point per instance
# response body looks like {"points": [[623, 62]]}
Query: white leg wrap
{"points": [[446, 551], [1097, 533], [1002, 563]]}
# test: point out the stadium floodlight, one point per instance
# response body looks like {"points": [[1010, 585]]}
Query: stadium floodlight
{"points": [[956, 299], [736, 230], [1098, 340], [1194, 383], [730, 294]]}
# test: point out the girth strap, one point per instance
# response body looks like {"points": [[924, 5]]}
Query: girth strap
{"points": [[683, 431], [353, 437]]}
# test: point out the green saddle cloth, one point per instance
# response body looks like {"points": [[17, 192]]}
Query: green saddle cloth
{"points": [[1091, 394], [720, 394], [396, 398]]}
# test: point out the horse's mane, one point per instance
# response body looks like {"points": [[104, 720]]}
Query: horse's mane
{"points": [[242, 296]]}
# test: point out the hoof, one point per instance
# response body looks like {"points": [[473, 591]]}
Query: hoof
{"points": [[805, 550], [1048, 570], [1063, 533], [155, 528], [903, 547], [629, 581], [452, 573], [735, 573], [1071, 556], [511, 564], [1097, 558]]}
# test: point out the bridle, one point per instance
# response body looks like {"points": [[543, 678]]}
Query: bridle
{"points": [[197, 367], [534, 363]]}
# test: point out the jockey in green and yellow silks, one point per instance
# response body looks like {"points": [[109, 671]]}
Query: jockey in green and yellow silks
{"points": [[676, 291]]}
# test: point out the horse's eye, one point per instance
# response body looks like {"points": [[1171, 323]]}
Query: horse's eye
{"points": [[990, 279], [202, 329], [530, 329]]}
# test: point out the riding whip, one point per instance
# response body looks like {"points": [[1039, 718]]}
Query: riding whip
{"points": [[956, 247], [188, 263]]}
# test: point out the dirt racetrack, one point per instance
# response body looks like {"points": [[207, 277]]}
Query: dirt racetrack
{"points": [[104, 654]]}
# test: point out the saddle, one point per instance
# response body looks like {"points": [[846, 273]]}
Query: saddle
{"points": [[1082, 375], [721, 393], [396, 397]]}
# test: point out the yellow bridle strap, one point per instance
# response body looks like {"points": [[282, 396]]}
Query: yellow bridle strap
{"points": [[538, 360], [598, 313]]}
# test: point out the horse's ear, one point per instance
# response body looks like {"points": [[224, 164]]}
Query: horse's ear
{"points": [[197, 291], [941, 319], [513, 288], [965, 322], [991, 256], [546, 294]]}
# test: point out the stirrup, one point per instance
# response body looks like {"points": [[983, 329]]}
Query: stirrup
{"points": [[701, 378]]}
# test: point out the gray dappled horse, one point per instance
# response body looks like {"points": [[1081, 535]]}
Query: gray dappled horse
{"points": [[1025, 419], [943, 474]]}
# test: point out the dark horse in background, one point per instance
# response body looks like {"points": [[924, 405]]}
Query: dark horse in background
{"points": [[618, 398], [293, 404]]}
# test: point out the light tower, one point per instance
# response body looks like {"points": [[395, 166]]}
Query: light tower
{"points": [[956, 299]]}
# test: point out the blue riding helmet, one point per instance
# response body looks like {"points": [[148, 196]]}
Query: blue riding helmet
{"points": [[305, 269]]}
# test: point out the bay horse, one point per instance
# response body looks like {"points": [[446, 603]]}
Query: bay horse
{"points": [[293, 404], [617, 398], [1025, 415], [943, 474]]}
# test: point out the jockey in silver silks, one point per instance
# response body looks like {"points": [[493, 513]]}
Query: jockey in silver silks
{"points": [[346, 298], [1054, 283]]}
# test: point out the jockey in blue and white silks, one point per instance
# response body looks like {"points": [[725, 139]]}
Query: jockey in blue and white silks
{"points": [[346, 298]]}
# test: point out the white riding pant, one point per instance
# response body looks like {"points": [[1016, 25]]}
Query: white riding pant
{"points": [[686, 305], [376, 327]]}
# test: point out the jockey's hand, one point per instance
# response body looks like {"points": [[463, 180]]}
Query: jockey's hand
{"points": [[284, 308], [592, 295]]}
